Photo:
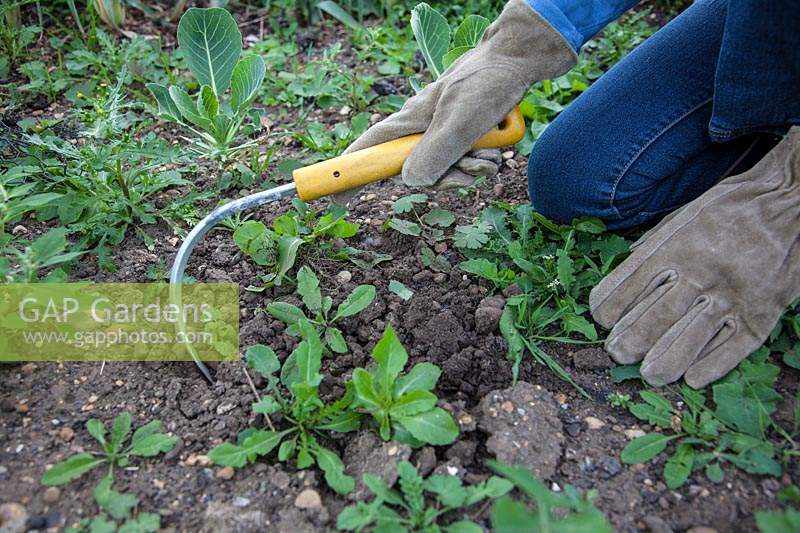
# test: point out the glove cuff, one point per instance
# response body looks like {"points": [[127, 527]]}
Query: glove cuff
{"points": [[523, 38]]}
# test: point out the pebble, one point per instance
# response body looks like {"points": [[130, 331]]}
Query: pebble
{"points": [[701, 529], [498, 189], [512, 164], [3, 470], [508, 154], [51, 494], [344, 276], [634, 433], [374, 118], [225, 473], [308, 499], [593, 422], [13, 518], [241, 501], [345, 110], [440, 277], [477, 167], [199, 460], [66, 433]]}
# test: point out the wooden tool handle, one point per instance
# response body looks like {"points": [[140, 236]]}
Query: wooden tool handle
{"points": [[386, 160]]}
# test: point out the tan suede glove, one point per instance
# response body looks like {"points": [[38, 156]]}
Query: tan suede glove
{"points": [[703, 291], [472, 96]]}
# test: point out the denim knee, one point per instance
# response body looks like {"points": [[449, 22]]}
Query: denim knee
{"points": [[559, 183]]}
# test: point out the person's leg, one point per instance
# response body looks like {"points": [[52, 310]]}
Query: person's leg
{"points": [[635, 145]]}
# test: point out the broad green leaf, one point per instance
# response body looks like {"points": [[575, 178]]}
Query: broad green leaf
{"points": [[432, 33], [714, 473], [564, 266], [382, 490], [473, 236], [496, 219], [400, 290], [146, 430], [259, 443], [365, 390], [120, 430], [263, 360], [625, 372], [780, 521], [72, 468], [207, 103], [97, 430], [422, 377], [463, 526], [452, 56], [335, 340], [287, 254], [285, 312], [449, 489], [679, 466], [166, 107], [406, 203], [342, 423], [439, 217], [413, 403], [212, 44], [188, 108], [333, 468], [356, 301], [644, 448], [253, 238], [391, 357], [578, 324], [266, 406], [511, 516], [308, 288], [118, 505], [470, 31], [247, 77], [434, 427], [153, 445], [339, 13], [308, 355], [404, 227]]}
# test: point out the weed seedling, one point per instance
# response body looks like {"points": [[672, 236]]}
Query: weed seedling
{"points": [[406, 507], [565, 511], [320, 307], [305, 417], [402, 406]]}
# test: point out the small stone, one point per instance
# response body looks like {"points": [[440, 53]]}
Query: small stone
{"points": [[241, 501], [22, 408], [701, 529], [490, 154], [499, 189], [512, 164], [225, 473], [344, 276], [487, 319], [51, 494], [508, 407], [13, 518], [440, 277], [477, 167], [198, 460], [631, 434], [593, 422], [508, 154], [345, 110], [66, 433], [374, 118], [225, 408], [440, 247], [93, 398], [656, 524], [19, 230], [308, 499]]}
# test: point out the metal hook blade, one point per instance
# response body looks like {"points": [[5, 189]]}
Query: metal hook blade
{"points": [[194, 236]]}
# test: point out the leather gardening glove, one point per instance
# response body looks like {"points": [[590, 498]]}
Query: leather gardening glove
{"points": [[703, 291], [471, 97]]}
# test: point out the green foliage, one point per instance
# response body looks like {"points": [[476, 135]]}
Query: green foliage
{"points": [[305, 417], [118, 513], [212, 43], [402, 406], [555, 266], [15, 36], [277, 247], [320, 307], [566, 511], [406, 508], [432, 33], [733, 432], [21, 262], [326, 143], [147, 441], [112, 12]]}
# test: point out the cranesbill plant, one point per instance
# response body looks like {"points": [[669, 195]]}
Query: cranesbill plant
{"points": [[212, 44]]}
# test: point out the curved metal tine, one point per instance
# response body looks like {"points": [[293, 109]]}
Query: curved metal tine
{"points": [[197, 233]]}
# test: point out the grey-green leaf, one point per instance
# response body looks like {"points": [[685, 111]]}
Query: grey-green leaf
{"points": [[166, 107], [248, 74], [644, 448], [434, 427], [356, 301], [470, 31], [432, 34], [187, 108], [72, 468], [212, 44]]}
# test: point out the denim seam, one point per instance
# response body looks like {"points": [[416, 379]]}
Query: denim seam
{"points": [[658, 133]]}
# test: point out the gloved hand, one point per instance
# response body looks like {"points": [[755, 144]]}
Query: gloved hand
{"points": [[705, 288], [473, 95]]}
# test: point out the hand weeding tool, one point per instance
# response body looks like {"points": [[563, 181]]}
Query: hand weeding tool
{"points": [[325, 178]]}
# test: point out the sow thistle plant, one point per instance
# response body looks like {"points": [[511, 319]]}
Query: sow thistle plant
{"points": [[308, 289], [212, 44]]}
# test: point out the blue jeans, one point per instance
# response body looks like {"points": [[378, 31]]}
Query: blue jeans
{"points": [[635, 145]]}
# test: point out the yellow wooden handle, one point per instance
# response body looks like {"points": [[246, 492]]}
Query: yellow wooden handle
{"points": [[386, 160]]}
